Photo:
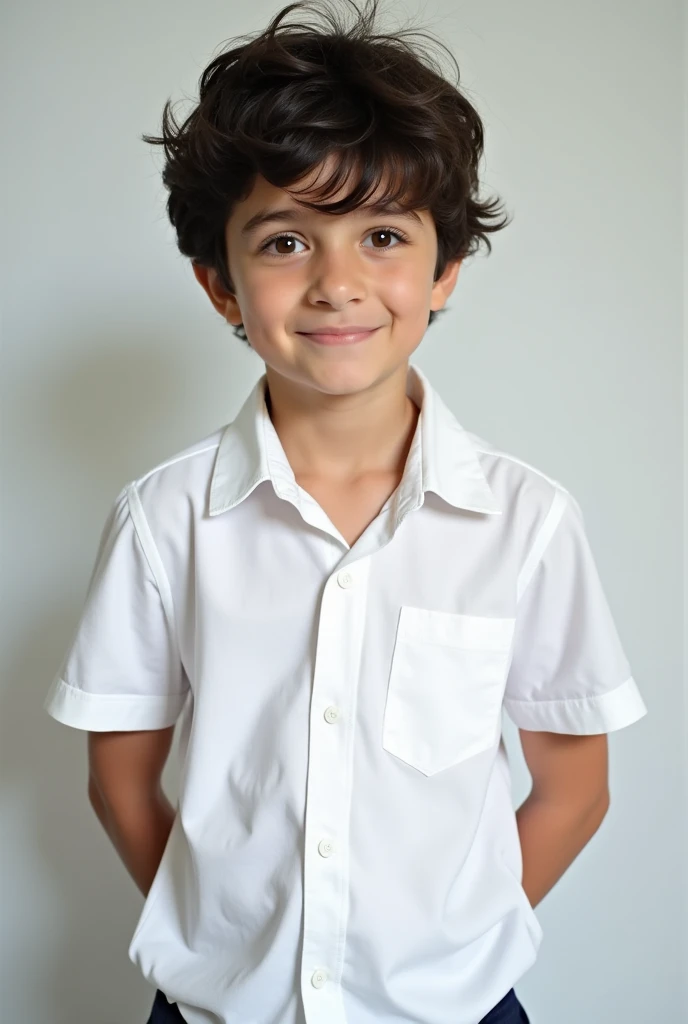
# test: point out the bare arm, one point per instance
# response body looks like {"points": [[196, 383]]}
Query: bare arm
{"points": [[565, 807], [125, 791]]}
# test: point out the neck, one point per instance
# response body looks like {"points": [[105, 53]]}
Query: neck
{"points": [[343, 437]]}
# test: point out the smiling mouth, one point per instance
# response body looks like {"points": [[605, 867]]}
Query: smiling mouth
{"points": [[327, 338]]}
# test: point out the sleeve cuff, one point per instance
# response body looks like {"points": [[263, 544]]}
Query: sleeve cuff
{"points": [[580, 715], [99, 712]]}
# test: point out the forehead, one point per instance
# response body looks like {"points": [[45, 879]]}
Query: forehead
{"points": [[265, 198]]}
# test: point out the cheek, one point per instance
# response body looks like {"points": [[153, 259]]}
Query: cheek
{"points": [[265, 301], [408, 291], [264, 290]]}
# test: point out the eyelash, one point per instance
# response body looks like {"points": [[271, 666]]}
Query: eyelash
{"points": [[285, 255]]}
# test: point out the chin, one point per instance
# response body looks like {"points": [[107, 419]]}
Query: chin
{"points": [[349, 380]]}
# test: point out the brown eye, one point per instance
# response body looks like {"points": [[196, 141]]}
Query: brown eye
{"points": [[389, 237], [287, 242], [384, 235]]}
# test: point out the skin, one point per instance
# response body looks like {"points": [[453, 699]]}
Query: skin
{"points": [[345, 422]]}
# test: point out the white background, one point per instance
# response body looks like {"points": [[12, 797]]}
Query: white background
{"points": [[564, 347]]}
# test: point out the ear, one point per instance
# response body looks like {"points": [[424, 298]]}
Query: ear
{"points": [[444, 285], [223, 301]]}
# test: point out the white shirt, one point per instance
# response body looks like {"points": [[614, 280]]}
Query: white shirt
{"points": [[345, 847]]}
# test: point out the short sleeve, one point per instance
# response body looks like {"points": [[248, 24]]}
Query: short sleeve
{"points": [[569, 672], [123, 670]]}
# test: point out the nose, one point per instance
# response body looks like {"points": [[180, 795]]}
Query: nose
{"points": [[336, 277]]}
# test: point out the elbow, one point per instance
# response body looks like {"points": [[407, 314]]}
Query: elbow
{"points": [[93, 791], [598, 810], [95, 797], [604, 800]]}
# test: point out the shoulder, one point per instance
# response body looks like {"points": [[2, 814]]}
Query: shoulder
{"points": [[526, 493], [178, 486]]}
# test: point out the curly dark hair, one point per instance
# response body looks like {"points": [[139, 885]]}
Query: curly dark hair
{"points": [[282, 100]]}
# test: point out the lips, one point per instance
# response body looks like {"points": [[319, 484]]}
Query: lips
{"points": [[339, 336], [341, 329]]}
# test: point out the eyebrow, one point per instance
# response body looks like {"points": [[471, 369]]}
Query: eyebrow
{"points": [[291, 215]]}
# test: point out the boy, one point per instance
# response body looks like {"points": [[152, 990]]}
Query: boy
{"points": [[340, 590]]}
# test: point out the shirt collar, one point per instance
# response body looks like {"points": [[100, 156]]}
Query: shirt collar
{"points": [[441, 458]]}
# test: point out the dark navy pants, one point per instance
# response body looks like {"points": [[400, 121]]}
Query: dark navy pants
{"points": [[163, 1012], [507, 1011]]}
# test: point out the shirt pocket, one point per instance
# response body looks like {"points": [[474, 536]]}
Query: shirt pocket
{"points": [[446, 686]]}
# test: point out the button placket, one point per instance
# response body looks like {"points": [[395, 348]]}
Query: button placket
{"points": [[338, 650]]}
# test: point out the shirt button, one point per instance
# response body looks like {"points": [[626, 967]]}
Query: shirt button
{"points": [[325, 847], [345, 579], [319, 977], [331, 714]]}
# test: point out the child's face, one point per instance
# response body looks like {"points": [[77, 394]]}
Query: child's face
{"points": [[336, 271]]}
